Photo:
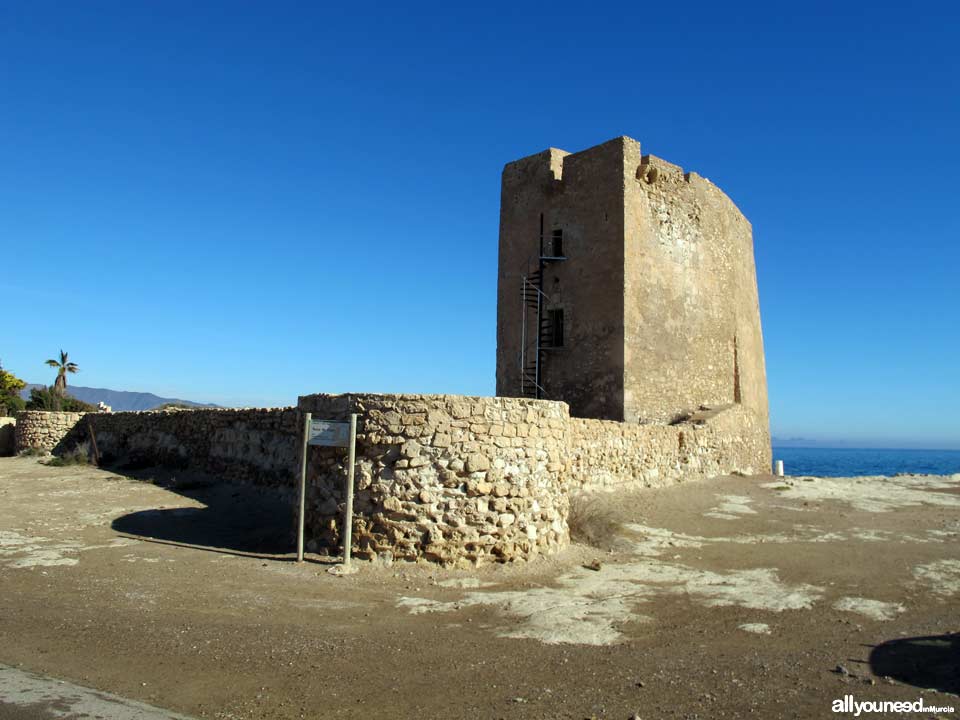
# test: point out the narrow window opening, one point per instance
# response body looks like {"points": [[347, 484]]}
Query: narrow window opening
{"points": [[555, 327], [557, 243], [541, 234], [736, 371]]}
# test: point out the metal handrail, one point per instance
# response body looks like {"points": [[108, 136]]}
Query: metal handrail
{"points": [[534, 287], [533, 382]]}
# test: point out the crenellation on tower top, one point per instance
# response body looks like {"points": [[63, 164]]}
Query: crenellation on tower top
{"points": [[544, 166]]}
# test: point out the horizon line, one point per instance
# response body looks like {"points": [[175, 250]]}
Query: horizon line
{"points": [[852, 447]]}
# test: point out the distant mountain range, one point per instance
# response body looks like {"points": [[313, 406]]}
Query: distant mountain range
{"points": [[119, 400], [794, 442]]}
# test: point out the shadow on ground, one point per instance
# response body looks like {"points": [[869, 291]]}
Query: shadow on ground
{"points": [[237, 519], [925, 662]]}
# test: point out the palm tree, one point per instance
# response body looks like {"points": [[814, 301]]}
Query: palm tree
{"points": [[63, 367]]}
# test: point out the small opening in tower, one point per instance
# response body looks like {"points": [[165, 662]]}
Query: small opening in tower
{"points": [[557, 249], [736, 371], [555, 327]]}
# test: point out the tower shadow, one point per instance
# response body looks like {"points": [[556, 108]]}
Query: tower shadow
{"points": [[925, 662]]}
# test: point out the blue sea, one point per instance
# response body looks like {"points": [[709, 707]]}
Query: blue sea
{"points": [[850, 462]]}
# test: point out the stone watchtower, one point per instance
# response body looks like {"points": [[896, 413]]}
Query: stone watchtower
{"points": [[626, 288]]}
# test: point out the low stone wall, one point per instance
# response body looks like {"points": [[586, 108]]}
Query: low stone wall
{"points": [[8, 441], [445, 478], [43, 431], [257, 446], [607, 455]]}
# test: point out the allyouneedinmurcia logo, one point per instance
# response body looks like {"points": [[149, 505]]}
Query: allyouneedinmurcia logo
{"points": [[848, 705]]}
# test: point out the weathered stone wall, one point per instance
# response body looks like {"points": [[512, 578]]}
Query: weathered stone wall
{"points": [[257, 445], [444, 478], [8, 440], [582, 196], [41, 430], [441, 477], [657, 287], [251, 445], [609, 455], [451, 478], [692, 322]]}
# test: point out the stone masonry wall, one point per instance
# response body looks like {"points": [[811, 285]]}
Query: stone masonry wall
{"points": [[445, 478], [692, 315], [652, 286], [441, 477], [258, 445], [580, 195], [41, 430], [608, 455]]}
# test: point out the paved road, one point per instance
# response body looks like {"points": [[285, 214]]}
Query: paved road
{"points": [[25, 696]]}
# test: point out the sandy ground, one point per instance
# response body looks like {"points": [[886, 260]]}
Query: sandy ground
{"points": [[733, 598]]}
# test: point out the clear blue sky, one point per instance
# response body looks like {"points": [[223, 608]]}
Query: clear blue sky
{"points": [[242, 202]]}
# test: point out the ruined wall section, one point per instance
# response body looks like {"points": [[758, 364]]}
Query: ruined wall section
{"points": [[445, 478], [257, 446], [613, 456]]}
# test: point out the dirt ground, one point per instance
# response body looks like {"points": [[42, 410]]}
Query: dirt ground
{"points": [[738, 597]]}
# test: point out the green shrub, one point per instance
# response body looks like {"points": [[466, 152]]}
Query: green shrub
{"points": [[79, 455], [10, 384], [172, 406], [71, 404], [43, 399], [11, 404], [47, 398], [10, 387]]}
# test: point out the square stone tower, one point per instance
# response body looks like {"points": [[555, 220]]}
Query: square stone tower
{"points": [[626, 288]]}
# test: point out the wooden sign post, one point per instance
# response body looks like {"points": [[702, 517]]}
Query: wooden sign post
{"points": [[93, 439], [324, 433]]}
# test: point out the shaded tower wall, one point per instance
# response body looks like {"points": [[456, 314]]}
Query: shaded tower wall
{"points": [[582, 195]]}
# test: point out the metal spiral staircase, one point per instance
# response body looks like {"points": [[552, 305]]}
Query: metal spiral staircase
{"points": [[535, 328]]}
